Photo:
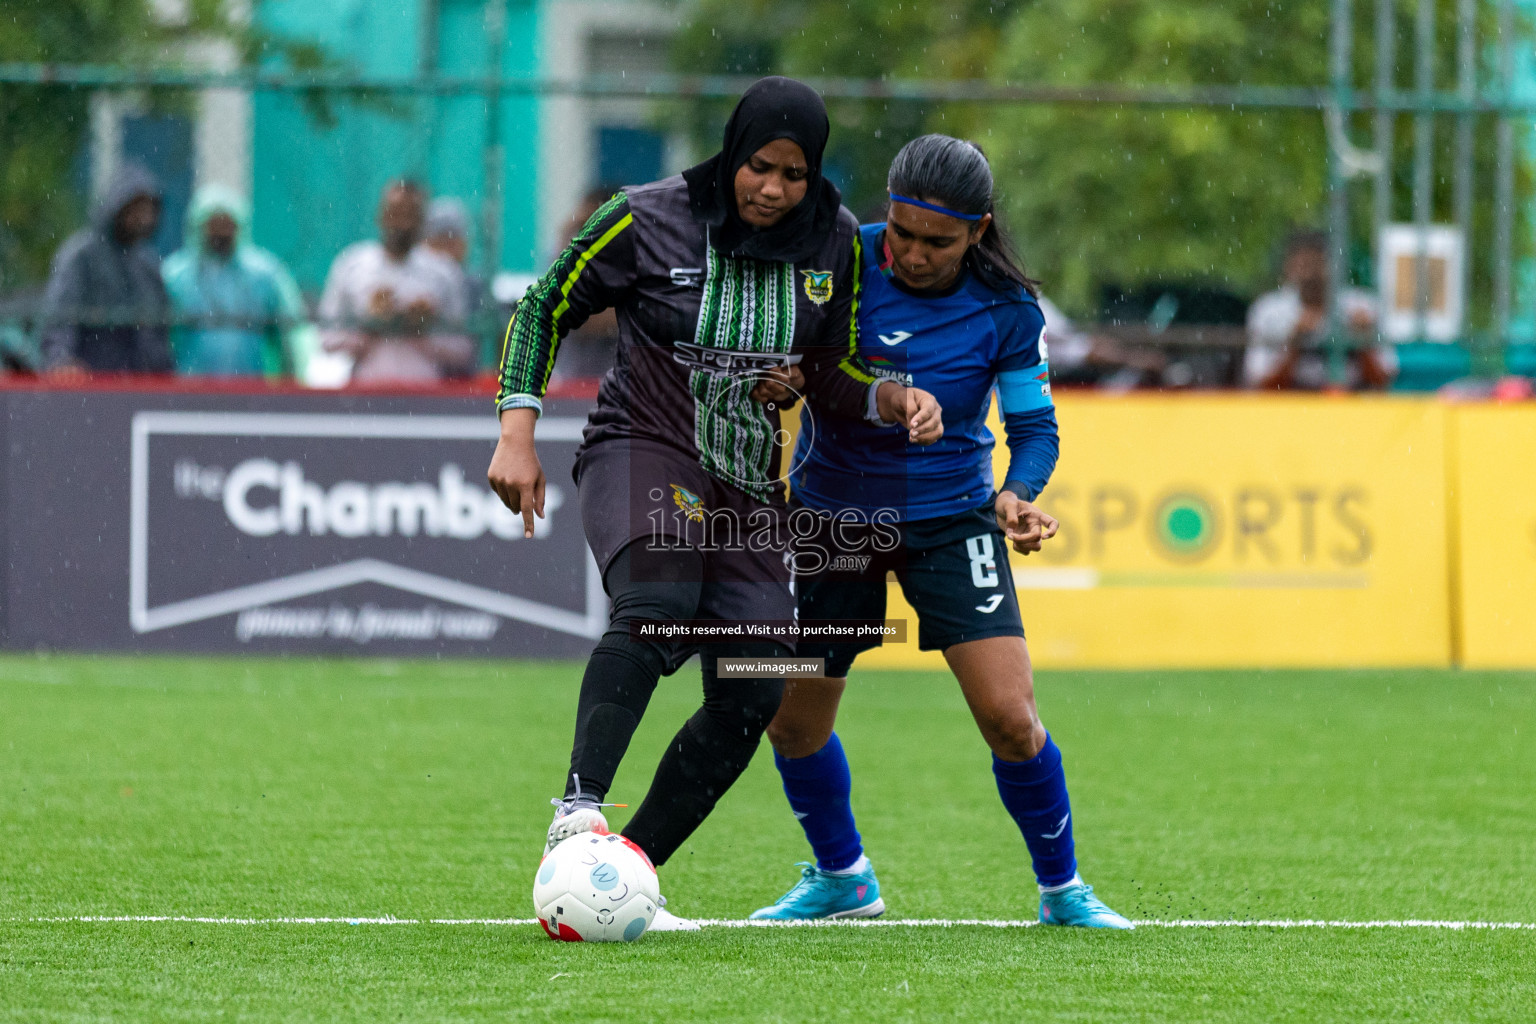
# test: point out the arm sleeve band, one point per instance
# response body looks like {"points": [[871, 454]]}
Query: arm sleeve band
{"points": [[1024, 390]]}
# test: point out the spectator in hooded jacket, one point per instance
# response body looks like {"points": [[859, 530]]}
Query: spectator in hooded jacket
{"points": [[104, 309], [237, 310]]}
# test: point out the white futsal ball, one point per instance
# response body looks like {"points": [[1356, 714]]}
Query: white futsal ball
{"points": [[596, 887]]}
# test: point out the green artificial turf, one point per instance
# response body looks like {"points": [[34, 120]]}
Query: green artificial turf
{"points": [[281, 789]]}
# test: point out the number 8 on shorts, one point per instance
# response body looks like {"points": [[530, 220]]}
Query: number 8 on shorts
{"points": [[983, 561]]}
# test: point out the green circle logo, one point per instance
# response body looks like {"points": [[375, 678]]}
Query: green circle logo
{"points": [[1186, 526]]}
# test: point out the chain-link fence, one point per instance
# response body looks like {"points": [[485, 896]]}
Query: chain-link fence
{"points": [[1430, 215]]}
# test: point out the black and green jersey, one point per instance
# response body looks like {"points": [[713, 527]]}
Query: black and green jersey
{"points": [[693, 326]]}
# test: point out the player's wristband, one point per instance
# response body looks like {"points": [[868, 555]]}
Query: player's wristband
{"points": [[1019, 488], [872, 405], [520, 402]]}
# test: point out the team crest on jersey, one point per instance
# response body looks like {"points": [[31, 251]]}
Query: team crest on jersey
{"points": [[818, 285], [691, 504]]}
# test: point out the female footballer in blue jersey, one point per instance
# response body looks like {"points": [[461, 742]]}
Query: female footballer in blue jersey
{"points": [[944, 307]]}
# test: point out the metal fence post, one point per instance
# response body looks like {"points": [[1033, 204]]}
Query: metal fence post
{"points": [[1386, 62], [1466, 86], [428, 58], [1338, 191], [1504, 183], [1423, 159], [495, 150]]}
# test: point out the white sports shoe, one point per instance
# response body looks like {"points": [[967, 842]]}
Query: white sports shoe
{"points": [[571, 820], [666, 921]]}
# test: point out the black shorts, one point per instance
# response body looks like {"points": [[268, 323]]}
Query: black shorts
{"points": [[953, 570], [642, 492]]}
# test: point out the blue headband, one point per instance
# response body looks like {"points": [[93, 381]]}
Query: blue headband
{"points": [[936, 209]]}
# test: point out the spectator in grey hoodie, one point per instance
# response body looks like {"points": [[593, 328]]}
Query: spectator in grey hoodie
{"points": [[105, 307]]}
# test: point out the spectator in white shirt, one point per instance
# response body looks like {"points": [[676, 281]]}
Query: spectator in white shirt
{"points": [[1287, 328], [396, 308]]}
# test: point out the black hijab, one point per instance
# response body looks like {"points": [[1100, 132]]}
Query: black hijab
{"points": [[773, 108]]}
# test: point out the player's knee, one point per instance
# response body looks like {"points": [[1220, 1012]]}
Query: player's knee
{"points": [[1016, 735], [759, 704], [731, 735], [796, 737], [744, 710], [654, 657]]}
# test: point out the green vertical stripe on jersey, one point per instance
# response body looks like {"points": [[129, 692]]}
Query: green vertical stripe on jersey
{"points": [[748, 305], [851, 364]]}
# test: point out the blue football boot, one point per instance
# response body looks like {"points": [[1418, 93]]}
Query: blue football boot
{"points": [[822, 896], [1076, 905]]}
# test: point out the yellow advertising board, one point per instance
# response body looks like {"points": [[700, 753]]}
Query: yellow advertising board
{"points": [[1238, 530], [1494, 496]]}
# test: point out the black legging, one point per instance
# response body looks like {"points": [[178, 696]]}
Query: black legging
{"points": [[712, 748]]}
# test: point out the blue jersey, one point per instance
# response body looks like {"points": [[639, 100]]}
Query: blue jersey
{"points": [[957, 344]]}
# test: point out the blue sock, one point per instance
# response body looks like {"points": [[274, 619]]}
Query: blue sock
{"points": [[1035, 793], [819, 789]]}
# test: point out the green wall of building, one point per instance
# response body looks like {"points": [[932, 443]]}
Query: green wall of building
{"points": [[1522, 326], [318, 168]]}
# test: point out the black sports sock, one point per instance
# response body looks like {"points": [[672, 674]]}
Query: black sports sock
{"points": [[700, 764], [620, 678], [707, 755], [622, 672]]}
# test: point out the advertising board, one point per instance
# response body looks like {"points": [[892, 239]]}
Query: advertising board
{"points": [[1238, 530], [251, 523]]}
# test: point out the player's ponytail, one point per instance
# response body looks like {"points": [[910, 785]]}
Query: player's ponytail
{"points": [[954, 174]]}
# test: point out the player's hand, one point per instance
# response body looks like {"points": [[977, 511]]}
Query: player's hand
{"points": [[515, 473], [1027, 527], [913, 408], [782, 384]]}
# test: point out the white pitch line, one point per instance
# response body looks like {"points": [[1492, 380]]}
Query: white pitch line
{"points": [[737, 923]]}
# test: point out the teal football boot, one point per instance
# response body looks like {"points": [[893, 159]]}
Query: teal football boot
{"points": [[822, 896], [1076, 905]]}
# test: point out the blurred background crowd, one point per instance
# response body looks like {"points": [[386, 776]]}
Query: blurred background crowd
{"points": [[357, 192]]}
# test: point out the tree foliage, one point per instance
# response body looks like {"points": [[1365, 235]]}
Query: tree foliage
{"points": [[873, 39], [1107, 194], [44, 129], [1138, 194]]}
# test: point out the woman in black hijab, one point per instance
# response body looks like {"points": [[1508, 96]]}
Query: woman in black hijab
{"points": [[734, 287], [774, 109]]}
